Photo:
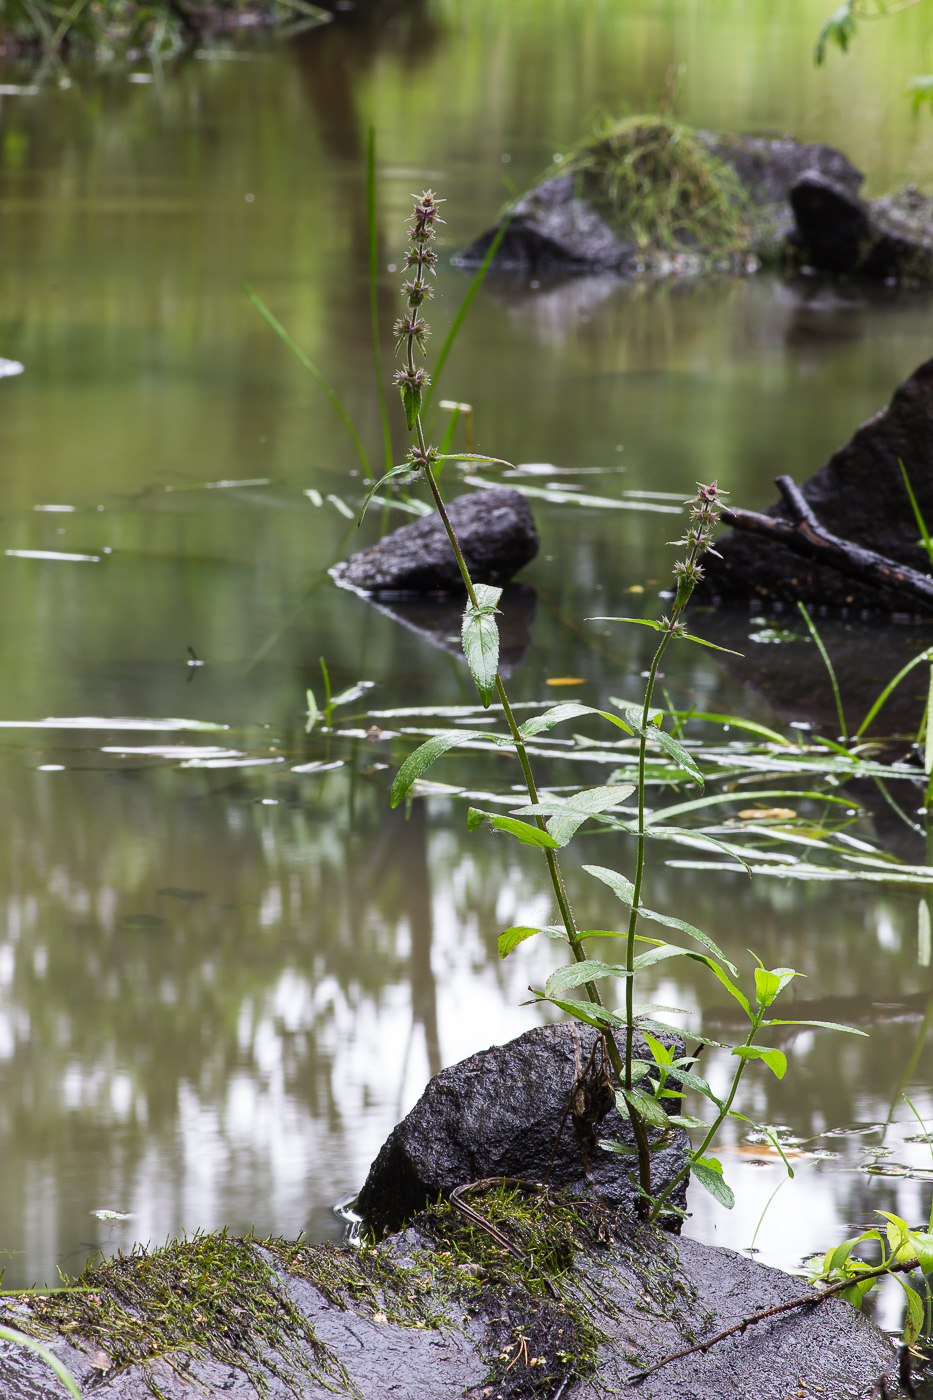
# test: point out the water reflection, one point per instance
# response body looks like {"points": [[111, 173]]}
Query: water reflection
{"points": [[219, 987]]}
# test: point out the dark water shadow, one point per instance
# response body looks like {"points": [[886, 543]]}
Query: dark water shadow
{"points": [[436, 619]]}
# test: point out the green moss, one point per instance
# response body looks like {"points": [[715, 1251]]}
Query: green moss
{"points": [[658, 186], [537, 1318], [211, 1295]]}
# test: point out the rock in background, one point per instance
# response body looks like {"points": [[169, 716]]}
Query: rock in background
{"points": [[859, 495], [495, 530]]}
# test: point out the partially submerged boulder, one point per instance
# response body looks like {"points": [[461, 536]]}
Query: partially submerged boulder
{"points": [[860, 496], [444, 1312], [499, 1113], [495, 530], [887, 239], [649, 194]]}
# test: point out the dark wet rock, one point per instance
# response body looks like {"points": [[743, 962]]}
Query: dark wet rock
{"points": [[836, 231], [496, 532], [858, 495], [436, 619], [553, 228], [412, 1318], [498, 1114]]}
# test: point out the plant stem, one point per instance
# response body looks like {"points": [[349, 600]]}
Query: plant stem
{"points": [[714, 1128]]}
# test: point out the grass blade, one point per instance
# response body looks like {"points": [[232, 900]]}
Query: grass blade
{"points": [[829, 666], [891, 685], [918, 514], [462, 313], [64, 1375], [373, 234], [314, 372]]}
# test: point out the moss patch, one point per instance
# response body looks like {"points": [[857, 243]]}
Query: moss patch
{"points": [[537, 1319], [658, 186], [210, 1295]]}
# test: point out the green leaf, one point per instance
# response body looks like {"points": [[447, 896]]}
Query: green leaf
{"points": [[702, 642], [768, 984], [695, 1082], [313, 712], [915, 1310], [64, 1375], [522, 831], [838, 29], [511, 937], [623, 1149], [426, 754], [646, 1105], [566, 815], [576, 973], [480, 637], [558, 713], [663, 1054], [708, 1173], [776, 1060], [667, 742], [685, 1120], [411, 402], [639, 622], [405, 470], [821, 1025], [625, 890], [590, 1012]]}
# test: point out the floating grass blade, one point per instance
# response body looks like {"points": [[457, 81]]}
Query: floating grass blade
{"points": [[829, 667], [314, 371], [373, 234]]}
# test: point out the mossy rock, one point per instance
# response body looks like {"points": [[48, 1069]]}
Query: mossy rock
{"points": [[442, 1311]]}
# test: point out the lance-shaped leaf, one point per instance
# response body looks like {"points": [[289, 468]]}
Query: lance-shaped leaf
{"points": [[769, 983], [511, 937], [565, 815], [558, 713], [575, 974], [405, 471], [667, 742], [776, 1060], [423, 756], [821, 1025], [590, 1012], [625, 891], [480, 636], [644, 1104], [522, 831], [708, 1173]]}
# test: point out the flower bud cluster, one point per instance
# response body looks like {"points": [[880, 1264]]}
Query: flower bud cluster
{"points": [[411, 331], [705, 507]]}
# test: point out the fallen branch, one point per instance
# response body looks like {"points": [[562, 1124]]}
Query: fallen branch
{"points": [[806, 536], [806, 1300]]}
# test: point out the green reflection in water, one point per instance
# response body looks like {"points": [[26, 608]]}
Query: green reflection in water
{"points": [[221, 987]]}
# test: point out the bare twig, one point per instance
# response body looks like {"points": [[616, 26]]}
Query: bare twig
{"points": [[475, 1218], [806, 1300], [806, 536]]}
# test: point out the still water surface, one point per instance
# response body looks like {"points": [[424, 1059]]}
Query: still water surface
{"points": [[223, 980]]}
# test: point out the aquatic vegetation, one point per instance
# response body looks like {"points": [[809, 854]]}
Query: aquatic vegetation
{"points": [[638, 1095], [658, 185]]}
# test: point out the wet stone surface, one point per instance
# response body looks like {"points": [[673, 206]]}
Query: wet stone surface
{"points": [[496, 533]]}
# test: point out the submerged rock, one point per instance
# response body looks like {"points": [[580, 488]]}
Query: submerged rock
{"points": [[859, 495], [652, 195], [443, 1312], [836, 231], [498, 1114], [496, 532]]}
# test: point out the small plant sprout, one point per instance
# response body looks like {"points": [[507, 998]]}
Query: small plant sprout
{"points": [[645, 1090]]}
